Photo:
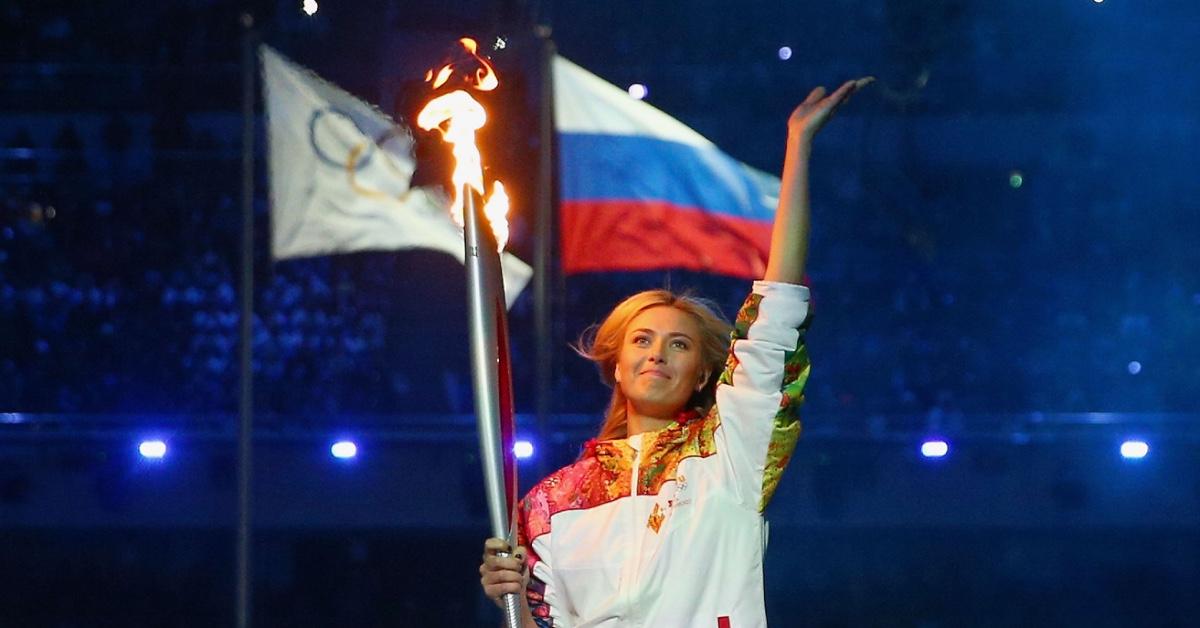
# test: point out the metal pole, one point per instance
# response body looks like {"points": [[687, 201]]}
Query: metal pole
{"points": [[490, 375], [246, 374], [543, 241]]}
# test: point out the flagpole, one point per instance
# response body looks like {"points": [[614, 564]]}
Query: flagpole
{"points": [[543, 241], [245, 373]]}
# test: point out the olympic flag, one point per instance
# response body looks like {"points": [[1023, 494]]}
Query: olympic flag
{"points": [[340, 174]]}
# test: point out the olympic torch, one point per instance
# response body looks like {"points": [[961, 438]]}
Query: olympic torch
{"points": [[491, 376], [485, 230]]}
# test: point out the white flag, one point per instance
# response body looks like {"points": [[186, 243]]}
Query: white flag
{"points": [[340, 174]]}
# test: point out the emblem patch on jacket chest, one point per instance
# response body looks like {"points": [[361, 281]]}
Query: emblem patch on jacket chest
{"points": [[656, 519]]}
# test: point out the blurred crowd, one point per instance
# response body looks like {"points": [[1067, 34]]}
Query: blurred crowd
{"points": [[122, 296], [168, 33], [937, 294]]}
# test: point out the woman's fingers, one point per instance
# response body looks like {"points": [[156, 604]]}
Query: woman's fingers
{"points": [[501, 573], [499, 552], [498, 583], [815, 95], [496, 546], [842, 95], [504, 563], [503, 570], [852, 88], [499, 567], [843, 90], [846, 90], [496, 576], [810, 115]]}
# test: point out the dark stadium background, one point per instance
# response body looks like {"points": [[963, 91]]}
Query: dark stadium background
{"points": [[1004, 256]]}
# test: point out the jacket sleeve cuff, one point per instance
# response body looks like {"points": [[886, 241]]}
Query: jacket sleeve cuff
{"points": [[784, 304]]}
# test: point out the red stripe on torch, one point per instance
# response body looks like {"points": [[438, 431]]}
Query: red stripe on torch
{"points": [[508, 435]]}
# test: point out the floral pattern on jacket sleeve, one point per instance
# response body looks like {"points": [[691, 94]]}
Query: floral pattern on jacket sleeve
{"points": [[786, 426]]}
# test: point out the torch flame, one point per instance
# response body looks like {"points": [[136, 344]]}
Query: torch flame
{"points": [[458, 116], [496, 210]]}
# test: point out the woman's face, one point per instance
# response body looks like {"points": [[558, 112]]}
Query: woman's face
{"points": [[659, 366]]}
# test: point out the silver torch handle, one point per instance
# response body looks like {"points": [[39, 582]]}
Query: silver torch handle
{"points": [[486, 320]]}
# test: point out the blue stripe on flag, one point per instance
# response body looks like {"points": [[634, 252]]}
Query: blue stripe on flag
{"points": [[625, 167]]}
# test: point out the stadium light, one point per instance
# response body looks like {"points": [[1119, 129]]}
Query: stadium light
{"points": [[152, 449], [935, 448], [1134, 449], [344, 450], [523, 449]]}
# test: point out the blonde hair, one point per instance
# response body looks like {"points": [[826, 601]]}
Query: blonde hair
{"points": [[602, 344]]}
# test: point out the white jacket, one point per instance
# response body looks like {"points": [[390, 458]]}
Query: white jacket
{"points": [[685, 548]]}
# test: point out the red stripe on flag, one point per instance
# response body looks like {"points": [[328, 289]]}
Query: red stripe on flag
{"points": [[615, 235], [723, 622]]}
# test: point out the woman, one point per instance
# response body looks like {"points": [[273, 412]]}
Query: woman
{"points": [[659, 522]]}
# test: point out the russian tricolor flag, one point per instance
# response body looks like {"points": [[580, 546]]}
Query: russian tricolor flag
{"points": [[642, 191]]}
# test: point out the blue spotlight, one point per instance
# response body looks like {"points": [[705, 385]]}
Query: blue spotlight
{"points": [[935, 448], [785, 53], [12, 417], [1134, 449], [523, 449], [1134, 367], [344, 450], [152, 449]]}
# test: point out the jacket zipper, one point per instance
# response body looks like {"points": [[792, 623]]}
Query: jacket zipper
{"points": [[631, 575]]}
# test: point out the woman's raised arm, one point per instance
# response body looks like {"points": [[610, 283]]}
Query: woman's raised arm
{"points": [[789, 235]]}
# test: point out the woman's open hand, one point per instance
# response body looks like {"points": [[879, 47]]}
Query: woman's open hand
{"points": [[818, 108], [789, 234], [502, 574]]}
